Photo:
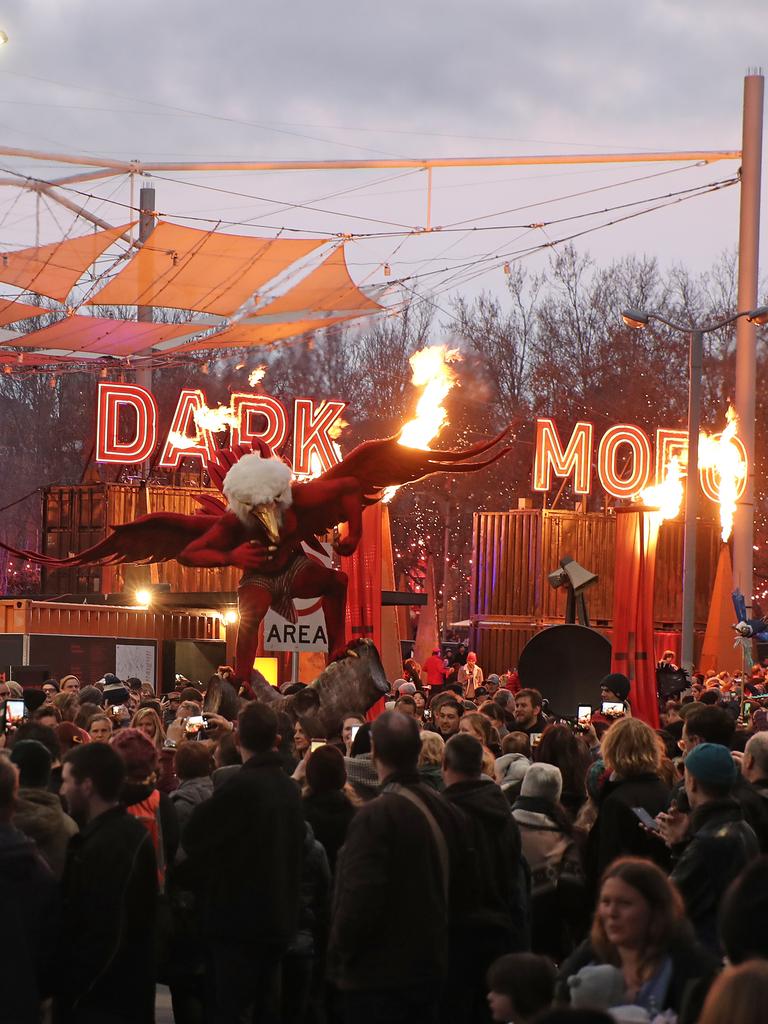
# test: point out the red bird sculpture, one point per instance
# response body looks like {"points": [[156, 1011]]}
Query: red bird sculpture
{"points": [[266, 521]]}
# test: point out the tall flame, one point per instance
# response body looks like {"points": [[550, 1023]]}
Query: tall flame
{"points": [[665, 498], [433, 373], [723, 456]]}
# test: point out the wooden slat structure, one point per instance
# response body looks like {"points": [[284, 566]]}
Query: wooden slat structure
{"points": [[75, 517], [514, 552]]}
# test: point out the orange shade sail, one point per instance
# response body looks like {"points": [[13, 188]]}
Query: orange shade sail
{"points": [[102, 335], [55, 269], [213, 272], [326, 289], [252, 334], [12, 311]]}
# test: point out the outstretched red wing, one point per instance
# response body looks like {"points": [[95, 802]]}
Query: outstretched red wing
{"points": [[386, 463], [153, 538]]}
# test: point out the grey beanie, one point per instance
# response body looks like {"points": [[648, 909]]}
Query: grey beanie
{"points": [[543, 781]]}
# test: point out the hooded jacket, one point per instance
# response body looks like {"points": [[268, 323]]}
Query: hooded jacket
{"points": [[498, 899], [510, 770], [721, 845], [40, 817], [29, 898]]}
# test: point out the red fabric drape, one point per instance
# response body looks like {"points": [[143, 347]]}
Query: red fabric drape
{"points": [[633, 641], [364, 572]]}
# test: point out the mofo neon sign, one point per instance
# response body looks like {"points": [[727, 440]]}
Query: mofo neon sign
{"points": [[625, 459], [127, 427]]}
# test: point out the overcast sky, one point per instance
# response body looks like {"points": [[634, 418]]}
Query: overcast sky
{"points": [[307, 80]]}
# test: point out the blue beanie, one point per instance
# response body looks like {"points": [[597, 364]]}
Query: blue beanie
{"points": [[711, 764]]}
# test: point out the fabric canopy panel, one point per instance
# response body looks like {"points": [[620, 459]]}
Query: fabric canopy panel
{"points": [[185, 268], [11, 311], [244, 335], [103, 335], [55, 269], [326, 289]]}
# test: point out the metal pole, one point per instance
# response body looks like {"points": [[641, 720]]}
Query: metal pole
{"points": [[446, 564], [695, 360], [746, 363], [144, 314]]}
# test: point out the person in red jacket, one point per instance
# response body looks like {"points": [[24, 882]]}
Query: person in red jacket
{"points": [[435, 670]]}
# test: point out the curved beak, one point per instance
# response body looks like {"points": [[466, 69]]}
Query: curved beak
{"points": [[269, 518]]}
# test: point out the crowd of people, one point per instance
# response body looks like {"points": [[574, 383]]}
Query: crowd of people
{"points": [[462, 856]]}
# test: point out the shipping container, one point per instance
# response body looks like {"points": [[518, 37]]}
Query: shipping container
{"points": [[514, 552]]}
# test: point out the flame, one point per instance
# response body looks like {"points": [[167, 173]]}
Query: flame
{"points": [[722, 455], [667, 497], [433, 373], [316, 468], [256, 376], [181, 441], [334, 431]]}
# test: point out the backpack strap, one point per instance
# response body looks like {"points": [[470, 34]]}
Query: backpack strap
{"points": [[437, 833]]}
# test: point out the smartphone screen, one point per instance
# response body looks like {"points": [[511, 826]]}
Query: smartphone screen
{"points": [[747, 710], [612, 707], [316, 744], [646, 819], [15, 710], [585, 715], [535, 738], [354, 731]]}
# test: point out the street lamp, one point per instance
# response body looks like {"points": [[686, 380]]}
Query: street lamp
{"points": [[638, 319]]}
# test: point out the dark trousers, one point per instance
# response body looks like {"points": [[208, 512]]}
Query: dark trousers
{"points": [[398, 1006], [245, 984]]}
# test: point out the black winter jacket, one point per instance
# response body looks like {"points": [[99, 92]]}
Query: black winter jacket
{"points": [[29, 898], [329, 814], [721, 845], [389, 902], [500, 899], [244, 852], [109, 907], [617, 831]]}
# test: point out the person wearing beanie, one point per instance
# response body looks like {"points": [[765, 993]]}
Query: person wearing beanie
{"points": [[91, 695], [141, 797], [495, 922], [615, 687], [714, 843], [70, 736], [406, 688], [326, 806], [34, 700], [558, 900], [70, 685]]}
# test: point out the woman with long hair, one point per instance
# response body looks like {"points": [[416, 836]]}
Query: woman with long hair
{"points": [[640, 928], [630, 750], [147, 720], [480, 727], [560, 747]]}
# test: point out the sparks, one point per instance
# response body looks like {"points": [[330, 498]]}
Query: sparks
{"points": [[722, 455], [256, 376]]}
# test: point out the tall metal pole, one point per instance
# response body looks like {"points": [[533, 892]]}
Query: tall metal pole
{"points": [[695, 361], [446, 564], [746, 364], [144, 314]]}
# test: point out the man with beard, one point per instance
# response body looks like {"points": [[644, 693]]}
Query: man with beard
{"points": [[109, 894]]}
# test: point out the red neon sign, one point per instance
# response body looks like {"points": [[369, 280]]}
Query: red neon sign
{"points": [[624, 459], [113, 402], [312, 442]]}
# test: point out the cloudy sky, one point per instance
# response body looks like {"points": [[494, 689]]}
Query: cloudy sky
{"points": [[245, 80]]}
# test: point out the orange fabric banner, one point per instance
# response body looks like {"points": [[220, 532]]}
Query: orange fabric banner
{"points": [[326, 289], [632, 641], [209, 271], [364, 572]]}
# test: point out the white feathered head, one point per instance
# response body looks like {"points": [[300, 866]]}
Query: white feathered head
{"points": [[254, 484]]}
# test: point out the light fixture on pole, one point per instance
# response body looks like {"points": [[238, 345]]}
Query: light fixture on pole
{"points": [[638, 319], [3, 37]]}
